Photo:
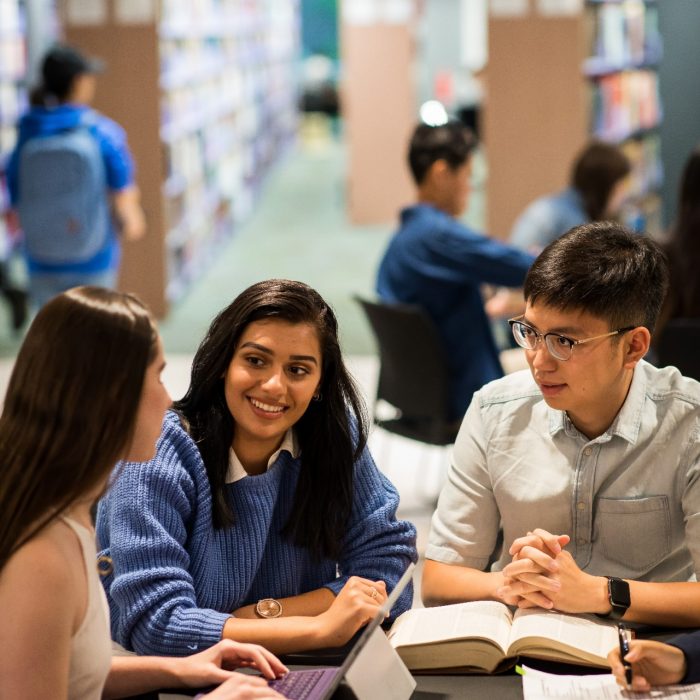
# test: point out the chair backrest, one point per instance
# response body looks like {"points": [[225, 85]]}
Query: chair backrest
{"points": [[678, 346], [413, 375]]}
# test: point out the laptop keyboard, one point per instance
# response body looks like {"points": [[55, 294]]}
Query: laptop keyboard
{"points": [[303, 685]]}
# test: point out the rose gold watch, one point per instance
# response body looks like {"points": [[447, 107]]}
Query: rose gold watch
{"points": [[268, 607]]}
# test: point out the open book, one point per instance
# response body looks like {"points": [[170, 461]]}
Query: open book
{"points": [[486, 636]]}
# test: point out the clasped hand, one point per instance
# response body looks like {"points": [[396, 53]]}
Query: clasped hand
{"points": [[542, 574]]}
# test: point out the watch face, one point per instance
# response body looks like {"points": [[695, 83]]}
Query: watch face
{"points": [[619, 593], [268, 607]]}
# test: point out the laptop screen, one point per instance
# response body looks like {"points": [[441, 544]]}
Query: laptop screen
{"points": [[381, 615]]}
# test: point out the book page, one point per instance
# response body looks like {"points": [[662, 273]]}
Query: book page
{"points": [[538, 685], [580, 632], [479, 619]]}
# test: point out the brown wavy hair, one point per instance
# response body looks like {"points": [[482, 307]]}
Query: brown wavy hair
{"points": [[598, 168], [70, 407]]}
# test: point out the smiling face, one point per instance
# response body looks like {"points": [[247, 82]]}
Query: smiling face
{"points": [[592, 386], [271, 379]]}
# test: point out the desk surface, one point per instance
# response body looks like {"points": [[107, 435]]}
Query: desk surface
{"points": [[506, 686]]}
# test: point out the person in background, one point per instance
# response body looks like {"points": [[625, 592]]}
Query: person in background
{"points": [[596, 192], [262, 517], [440, 264], [683, 248], [588, 463], [85, 391], [71, 236]]}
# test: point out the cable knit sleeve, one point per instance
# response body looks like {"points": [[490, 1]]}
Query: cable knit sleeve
{"points": [[377, 546], [144, 522]]}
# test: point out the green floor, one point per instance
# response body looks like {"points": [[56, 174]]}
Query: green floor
{"points": [[299, 230]]}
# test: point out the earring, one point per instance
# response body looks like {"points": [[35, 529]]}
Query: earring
{"points": [[318, 397]]}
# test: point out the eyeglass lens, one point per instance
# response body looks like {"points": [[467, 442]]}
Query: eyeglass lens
{"points": [[560, 347]]}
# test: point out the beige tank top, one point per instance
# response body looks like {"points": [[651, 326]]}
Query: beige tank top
{"points": [[91, 652]]}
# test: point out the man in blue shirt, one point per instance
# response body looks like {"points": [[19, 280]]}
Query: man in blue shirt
{"points": [[435, 261]]}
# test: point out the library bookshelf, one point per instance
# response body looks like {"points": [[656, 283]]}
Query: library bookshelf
{"points": [[13, 93], [560, 74], [206, 90]]}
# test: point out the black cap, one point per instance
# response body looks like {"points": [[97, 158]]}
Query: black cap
{"points": [[62, 64]]}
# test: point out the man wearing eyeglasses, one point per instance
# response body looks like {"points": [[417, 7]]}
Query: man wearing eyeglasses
{"points": [[590, 462]]}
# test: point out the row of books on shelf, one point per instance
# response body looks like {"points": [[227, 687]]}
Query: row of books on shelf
{"points": [[8, 137], [188, 60], [623, 34], [623, 104], [13, 61], [13, 103], [235, 18], [10, 17], [647, 168], [189, 107]]}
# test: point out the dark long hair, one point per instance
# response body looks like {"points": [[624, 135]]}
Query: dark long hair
{"points": [[684, 244], [332, 432], [70, 407], [596, 171]]}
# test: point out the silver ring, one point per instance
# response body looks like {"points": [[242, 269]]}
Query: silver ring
{"points": [[373, 592]]}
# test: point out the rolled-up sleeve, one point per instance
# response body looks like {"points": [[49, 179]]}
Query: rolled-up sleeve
{"points": [[466, 523]]}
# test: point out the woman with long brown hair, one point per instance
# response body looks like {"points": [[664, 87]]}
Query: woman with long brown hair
{"points": [[85, 392]]}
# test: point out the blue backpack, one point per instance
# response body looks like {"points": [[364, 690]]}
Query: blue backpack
{"points": [[63, 207]]}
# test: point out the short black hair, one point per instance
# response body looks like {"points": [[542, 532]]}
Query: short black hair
{"points": [[61, 65], [604, 269], [452, 142]]}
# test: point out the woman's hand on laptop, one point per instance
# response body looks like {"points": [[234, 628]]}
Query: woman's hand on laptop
{"points": [[355, 606], [216, 664]]}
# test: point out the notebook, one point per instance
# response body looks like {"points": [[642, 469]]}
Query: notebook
{"points": [[321, 683]]}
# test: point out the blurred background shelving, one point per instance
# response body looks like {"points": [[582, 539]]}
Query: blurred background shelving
{"points": [[13, 92], [215, 84], [555, 80]]}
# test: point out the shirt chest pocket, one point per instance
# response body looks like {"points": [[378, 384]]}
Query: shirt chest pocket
{"points": [[634, 532]]}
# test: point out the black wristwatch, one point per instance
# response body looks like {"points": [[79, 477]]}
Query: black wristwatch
{"points": [[618, 596]]}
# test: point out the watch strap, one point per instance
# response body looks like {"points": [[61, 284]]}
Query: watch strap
{"points": [[618, 597]]}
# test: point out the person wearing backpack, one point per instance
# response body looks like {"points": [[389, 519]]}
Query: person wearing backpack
{"points": [[71, 181]]}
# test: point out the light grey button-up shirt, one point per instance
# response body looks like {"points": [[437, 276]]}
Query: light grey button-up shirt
{"points": [[629, 499]]}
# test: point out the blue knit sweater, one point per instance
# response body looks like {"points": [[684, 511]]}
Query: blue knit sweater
{"points": [[176, 579]]}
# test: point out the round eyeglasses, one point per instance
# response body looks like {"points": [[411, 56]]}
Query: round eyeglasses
{"points": [[559, 346]]}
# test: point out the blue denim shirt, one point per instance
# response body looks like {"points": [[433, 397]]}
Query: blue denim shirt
{"points": [[629, 499], [436, 262], [548, 218]]}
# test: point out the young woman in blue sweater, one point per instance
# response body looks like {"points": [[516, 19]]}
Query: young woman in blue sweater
{"points": [[262, 517], [85, 391]]}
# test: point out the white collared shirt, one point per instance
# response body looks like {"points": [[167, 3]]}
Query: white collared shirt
{"points": [[236, 470], [629, 498]]}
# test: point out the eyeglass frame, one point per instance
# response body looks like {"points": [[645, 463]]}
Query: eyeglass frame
{"points": [[543, 336]]}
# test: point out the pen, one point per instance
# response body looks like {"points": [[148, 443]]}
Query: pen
{"points": [[624, 650]]}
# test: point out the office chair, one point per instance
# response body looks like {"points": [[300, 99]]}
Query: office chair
{"points": [[413, 373], [678, 346]]}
